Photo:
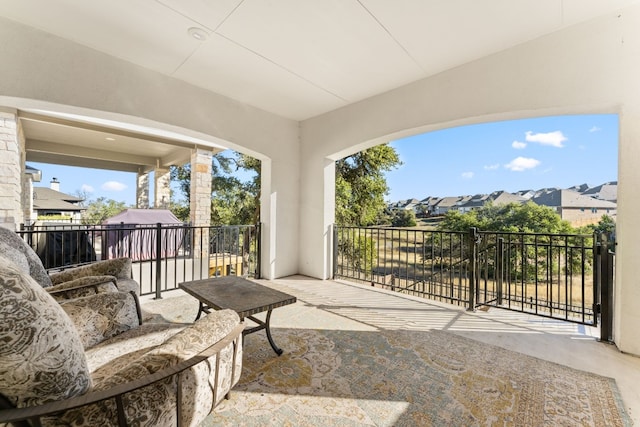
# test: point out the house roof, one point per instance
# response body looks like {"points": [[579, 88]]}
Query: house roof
{"points": [[607, 191], [571, 199], [45, 198], [447, 202], [46, 193]]}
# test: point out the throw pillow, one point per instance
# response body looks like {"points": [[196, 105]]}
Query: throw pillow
{"points": [[41, 355]]}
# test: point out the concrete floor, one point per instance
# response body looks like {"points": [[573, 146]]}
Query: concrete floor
{"points": [[347, 306]]}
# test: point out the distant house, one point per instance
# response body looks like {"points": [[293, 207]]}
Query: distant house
{"points": [[576, 208], [497, 198], [607, 191], [527, 194], [50, 201], [445, 204], [474, 202], [581, 188]]}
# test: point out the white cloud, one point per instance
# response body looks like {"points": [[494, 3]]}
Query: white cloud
{"points": [[520, 164], [86, 188], [518, 145], [595, 129], [555, 139], [467, 175], [113, 186], [491, 167]]}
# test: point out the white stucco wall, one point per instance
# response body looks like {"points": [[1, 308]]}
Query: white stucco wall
{"points": [[589, 68]]}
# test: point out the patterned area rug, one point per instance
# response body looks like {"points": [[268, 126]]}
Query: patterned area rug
{"points": [[409, 378]]}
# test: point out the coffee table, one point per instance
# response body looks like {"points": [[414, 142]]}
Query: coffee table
{"points": [[241, 295]]}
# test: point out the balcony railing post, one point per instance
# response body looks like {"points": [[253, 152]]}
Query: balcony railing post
{"points": [[158, 261], [334, 266], [606, 291], [473, 239], [499, 269]]}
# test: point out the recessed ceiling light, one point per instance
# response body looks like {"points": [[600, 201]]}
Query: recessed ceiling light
{"points": [[198, 33], [110, 139]]}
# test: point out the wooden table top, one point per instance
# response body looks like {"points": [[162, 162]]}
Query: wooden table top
{"points": [[236, 293]]}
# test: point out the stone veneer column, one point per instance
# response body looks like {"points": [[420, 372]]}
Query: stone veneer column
{"points": [[142, 190], [11, 170], [162, 188], [200, 199]]}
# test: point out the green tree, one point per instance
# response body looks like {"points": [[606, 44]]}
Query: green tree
{"points": [[361, 185], [358, 249], [233, 201], [403, 218], [512, 217], [100, 209], [529, 253]]}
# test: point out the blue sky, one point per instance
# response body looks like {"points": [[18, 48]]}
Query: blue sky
{"points": [[514, 155], [559, 151]]}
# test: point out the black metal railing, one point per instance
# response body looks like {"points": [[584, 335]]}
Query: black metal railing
{"points": [[551, 275], [163, 255]]}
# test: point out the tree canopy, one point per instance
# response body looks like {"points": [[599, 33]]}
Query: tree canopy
{"points": [[100, 209], [403, 218], [233, 201], [361, 185], [511, 217]]}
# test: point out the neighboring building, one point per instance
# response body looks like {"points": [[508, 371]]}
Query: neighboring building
{"points": [[475, 202], [576, 208], [446, 204], [50, 201], [497, 198], [579, 188], [607, 191], [527, 194]]}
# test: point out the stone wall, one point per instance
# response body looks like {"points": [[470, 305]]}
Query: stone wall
{"points": [[11, 170]]}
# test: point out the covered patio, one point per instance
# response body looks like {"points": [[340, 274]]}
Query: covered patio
{"points": [[356, 311], [301, 84]]}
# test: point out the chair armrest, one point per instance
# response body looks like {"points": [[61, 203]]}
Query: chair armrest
{"points": [[119, 268], [83, 286], [234, 337], [101, 316]]}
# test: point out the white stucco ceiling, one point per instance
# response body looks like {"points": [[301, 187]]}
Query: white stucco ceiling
{"points": [[301, 58]]}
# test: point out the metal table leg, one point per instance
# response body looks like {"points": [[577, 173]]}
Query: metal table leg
{"points": [[266, 326]]}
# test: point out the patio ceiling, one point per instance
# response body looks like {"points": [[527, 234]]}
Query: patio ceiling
{"points": [[85, 142], [294, 58]]}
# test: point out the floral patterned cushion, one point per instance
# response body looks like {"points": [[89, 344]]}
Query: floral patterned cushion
{"points": [[14, 248], [41, 355], [120, 268], [82, 287], [197, 382], [101, 316]]}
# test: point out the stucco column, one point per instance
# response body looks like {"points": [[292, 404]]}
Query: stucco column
{"points": [[317, 216], [627, 281], [142, 190], [11, 170], [161, 188], [200, 200]]}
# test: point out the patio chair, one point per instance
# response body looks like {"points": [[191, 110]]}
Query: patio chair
{"points": [[100, 276], [90, 361]]}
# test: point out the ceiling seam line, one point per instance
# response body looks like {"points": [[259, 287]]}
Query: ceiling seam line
{"points": [[392, 37], [284, 68]]}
